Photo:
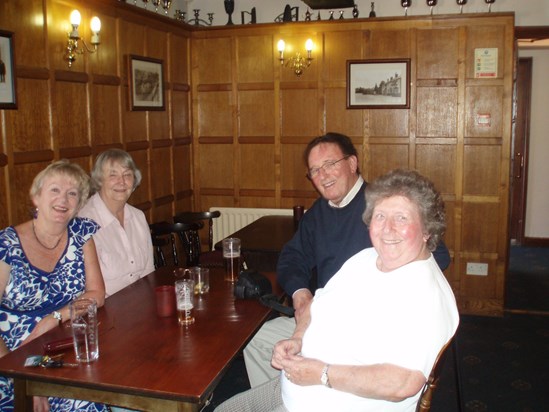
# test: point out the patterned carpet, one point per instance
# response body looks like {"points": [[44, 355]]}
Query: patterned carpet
{"points": [[503, 364]]}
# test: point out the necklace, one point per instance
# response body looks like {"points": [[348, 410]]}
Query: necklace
{"points": [[43, 245]]}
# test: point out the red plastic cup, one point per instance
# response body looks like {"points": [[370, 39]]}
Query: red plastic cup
{"points": [[165, 301]]}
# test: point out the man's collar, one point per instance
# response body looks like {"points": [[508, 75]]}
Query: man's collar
{"points": [[349, 196]]}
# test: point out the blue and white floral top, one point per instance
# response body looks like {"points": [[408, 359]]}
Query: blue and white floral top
{"points": [[32, 293]]}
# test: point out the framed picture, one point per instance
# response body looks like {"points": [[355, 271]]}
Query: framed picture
{"points": [[378, 84], [146, 83], [8, 97]]}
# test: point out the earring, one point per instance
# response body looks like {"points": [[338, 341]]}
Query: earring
{"points": [[35, 213]]}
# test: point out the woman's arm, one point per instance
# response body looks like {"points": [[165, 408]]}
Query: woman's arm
{"points": [[382, 381], [95, 286]]}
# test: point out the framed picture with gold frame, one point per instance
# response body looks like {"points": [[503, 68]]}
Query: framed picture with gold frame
{"points": [[146, 83], [8, 95], [378, 84]]}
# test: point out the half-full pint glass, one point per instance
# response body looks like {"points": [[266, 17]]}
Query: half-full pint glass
{"points": [[231, 258], [184, 293], [84, 329]]}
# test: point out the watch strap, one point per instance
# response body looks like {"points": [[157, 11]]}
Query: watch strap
{"points": [[324, 376], [57, 316]]}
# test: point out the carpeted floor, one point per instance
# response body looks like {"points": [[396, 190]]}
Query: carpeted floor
{"points": [[503, 364]]}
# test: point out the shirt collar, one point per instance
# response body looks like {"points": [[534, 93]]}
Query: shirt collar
{"points": [[349, 196]]}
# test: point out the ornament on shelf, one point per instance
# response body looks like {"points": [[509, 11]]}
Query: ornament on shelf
{"points": [[406, 4], [489, 2], [461, 4], [372, 11], [229, 9], [431, 4]]}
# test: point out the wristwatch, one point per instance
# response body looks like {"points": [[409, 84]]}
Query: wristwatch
{"points": [[57, 315], [324, 377]]}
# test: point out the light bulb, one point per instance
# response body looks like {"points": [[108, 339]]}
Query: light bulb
{"points": [[309, 45], [75, 18], [281, 45], [95, 24]]}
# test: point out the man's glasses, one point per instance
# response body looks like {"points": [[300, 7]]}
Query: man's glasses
{"points": [[327, 167]]}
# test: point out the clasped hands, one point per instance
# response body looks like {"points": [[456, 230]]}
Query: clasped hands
{"points": [[297, 368]]}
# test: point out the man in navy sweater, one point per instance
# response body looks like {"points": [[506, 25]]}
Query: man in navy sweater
{"points": [[329, 233]]}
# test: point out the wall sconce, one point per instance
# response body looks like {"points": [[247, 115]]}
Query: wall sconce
{"points": [[296, 63], [72, 43]]}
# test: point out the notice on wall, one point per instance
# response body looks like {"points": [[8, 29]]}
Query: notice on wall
{"points": [[486, 63]]}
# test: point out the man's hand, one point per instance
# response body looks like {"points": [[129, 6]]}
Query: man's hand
{"points": [[284, 350], [301, 300]]}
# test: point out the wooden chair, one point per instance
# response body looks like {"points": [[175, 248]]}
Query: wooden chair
{"points": [[192, 238], [426, 397], [163, 236]]}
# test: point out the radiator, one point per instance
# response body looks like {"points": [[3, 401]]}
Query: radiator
{"points": [[235, 218]]}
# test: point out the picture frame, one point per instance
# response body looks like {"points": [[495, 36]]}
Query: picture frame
{"points": [[146, 76], [378, 84], [8, 95]]}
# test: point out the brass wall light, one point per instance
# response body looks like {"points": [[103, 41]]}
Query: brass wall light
{"points": [[72, 43], [297, 63]]}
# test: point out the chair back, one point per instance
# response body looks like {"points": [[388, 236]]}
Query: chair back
{"points": [[194, 217], [195, 255], [426, 397], [163, 236]]}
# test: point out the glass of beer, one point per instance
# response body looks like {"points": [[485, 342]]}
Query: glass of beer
{"points": [[231, 258], [184, 294]]}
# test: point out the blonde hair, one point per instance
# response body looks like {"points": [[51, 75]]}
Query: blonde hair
{"points": [[64, 168]]}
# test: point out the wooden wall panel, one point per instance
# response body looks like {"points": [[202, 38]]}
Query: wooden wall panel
{"points": [[159, 124], [215, 114], [142, 194], [488, 36], [439, 163], [337, 115], [23, 175], [338, 48], [179, 57], [182, 170], [292, 168], [70, 118], [482, 170], [33, 98], [255, 67], [215, 56], [484, 101], [105, 110], [384, 122], [4, 201], [386, 43], [254, 177], [437, 111], [105, 61], [300, 112], [385, 157], [216, 164], [180, 114], [162, 178], [26, 19], [479, 228], [256, 111], [437, 56]]}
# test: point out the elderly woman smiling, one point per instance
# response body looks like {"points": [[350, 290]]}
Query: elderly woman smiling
{"points": [[123, 243], [370, 337]]}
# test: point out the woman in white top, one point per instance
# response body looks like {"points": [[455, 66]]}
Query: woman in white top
{"points": [[123, 243], [370, 337]]}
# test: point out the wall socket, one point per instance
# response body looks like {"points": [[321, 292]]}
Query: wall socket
{"points": [[477, 269]]}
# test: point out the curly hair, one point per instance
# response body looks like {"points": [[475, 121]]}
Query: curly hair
{"points": [[416, 188], [114, 156], [64, 168]]}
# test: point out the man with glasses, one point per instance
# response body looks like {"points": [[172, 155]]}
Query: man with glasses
{"points": [[329, 233]]}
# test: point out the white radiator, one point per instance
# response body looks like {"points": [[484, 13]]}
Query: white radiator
{"points": [[235, 218]]}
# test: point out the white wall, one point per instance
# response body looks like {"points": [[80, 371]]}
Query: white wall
{"points": [[536, 224], [527, 12]]}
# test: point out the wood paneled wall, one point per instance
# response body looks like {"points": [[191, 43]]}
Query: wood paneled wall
{"points": [[252, 119], [77, 113], [236, 122]]}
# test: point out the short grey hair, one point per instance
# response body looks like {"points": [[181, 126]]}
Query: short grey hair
{"points": [[417, 189], [64, 168], [114, 156]]}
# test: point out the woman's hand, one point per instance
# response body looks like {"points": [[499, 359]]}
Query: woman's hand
{"points": [[284, 349], [40, 404], [302, 371], [47, 323]]}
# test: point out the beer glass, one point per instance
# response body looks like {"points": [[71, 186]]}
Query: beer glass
{"points": [[231, 258], [184, 293], [84, 329]]}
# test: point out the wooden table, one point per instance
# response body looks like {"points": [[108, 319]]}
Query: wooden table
{"points": [[146, 362], [262, 241]]}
